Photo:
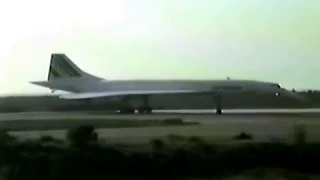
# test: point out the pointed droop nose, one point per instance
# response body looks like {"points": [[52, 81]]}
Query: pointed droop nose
{"points": [[280, 91], [294, 95]]}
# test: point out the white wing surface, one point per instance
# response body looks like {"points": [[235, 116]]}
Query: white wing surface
{"points": [[91, 95]]}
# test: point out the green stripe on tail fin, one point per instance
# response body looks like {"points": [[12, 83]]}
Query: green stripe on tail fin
{"points": [[62, 67]]}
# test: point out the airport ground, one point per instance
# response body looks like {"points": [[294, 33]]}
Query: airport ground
{"points": [[264, 126]]}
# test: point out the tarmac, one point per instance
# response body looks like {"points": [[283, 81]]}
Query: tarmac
{"points": [[264, 125], [188, 115]]}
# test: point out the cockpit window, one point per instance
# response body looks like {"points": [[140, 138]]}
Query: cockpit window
{"points": [[276, 85]]}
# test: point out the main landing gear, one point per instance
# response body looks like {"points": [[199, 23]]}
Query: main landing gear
{"points": [[126, 110], [218, 104], [144, 109], [147, 109]]}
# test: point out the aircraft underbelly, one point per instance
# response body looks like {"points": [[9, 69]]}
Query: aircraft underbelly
{"points": [[171, 101]]}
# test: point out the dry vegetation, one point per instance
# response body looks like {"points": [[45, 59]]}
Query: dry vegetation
{"points": [[217, 132], [81, 156]]}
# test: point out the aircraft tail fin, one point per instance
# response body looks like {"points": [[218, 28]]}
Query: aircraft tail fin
{"points": [[61, 66]]}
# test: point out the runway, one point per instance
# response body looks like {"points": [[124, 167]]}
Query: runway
{"points": [[188, 115], [203, 116], [265, 126]]}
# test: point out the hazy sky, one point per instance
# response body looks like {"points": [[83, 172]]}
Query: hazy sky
{"points": [[270, 40]]}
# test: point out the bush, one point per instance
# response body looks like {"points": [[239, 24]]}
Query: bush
{"points": [[82, 135], [196, 140], [157, 144], [175, 138], [243, 136], [48, 140], [6, 138]]}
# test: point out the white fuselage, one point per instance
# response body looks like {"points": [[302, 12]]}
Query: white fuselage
{"points": [[170, 101], [81, 85]]}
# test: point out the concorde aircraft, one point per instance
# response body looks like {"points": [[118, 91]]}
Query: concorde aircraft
{"points": [[67, 76]]}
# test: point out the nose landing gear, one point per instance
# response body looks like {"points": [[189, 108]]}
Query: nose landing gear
{"points": [[218, 104]]}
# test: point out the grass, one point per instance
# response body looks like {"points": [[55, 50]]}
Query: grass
{"points": [[135, 130], [218, 132], [221, 132], [175, 156], [29, 125], [81, 155], [271, 174], [266, 174]]}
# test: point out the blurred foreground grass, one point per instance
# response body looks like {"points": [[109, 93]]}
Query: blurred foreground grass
{"points": [[81, 156], [29, 125], [217, 132]]}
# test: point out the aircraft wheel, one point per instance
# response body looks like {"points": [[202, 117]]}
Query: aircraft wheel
{"points": [[127, 111], [145, 110], [141, 110], [148, 110]]}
